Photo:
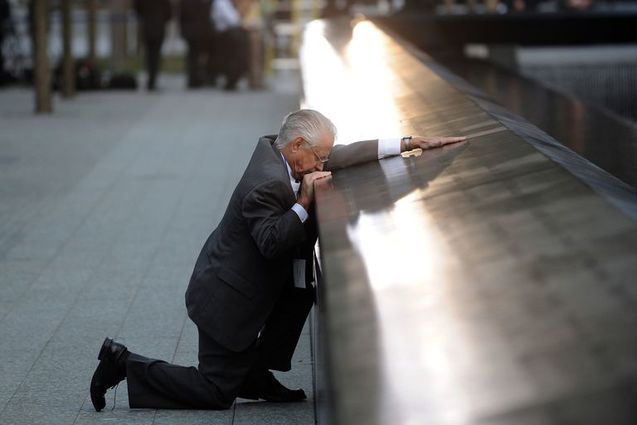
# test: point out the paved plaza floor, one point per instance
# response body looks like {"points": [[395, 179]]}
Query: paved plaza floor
{"points": [[104, 206]]}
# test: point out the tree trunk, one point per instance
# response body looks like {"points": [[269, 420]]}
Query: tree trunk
{"points": [[68, 66], [92, 30], [42, 72]]}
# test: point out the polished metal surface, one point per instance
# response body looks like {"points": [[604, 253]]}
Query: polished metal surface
{"points": [[529, 28], [480, 283], [604, 139]]}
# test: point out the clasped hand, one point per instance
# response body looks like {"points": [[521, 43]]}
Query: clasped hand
{"points": [[306, 194]]}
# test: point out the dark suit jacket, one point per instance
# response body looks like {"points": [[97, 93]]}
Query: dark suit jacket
{"points": [[247, 260], [154, 15], [194, 20]]}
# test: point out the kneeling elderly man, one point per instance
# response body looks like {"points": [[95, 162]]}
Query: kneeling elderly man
{"points": [[242, 296]]}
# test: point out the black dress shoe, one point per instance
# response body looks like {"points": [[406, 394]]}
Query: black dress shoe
{"points": [[110, 371], [267, 387]]}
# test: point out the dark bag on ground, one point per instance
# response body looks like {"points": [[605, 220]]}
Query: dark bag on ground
{"points": [[87, 76], [122, 81]]}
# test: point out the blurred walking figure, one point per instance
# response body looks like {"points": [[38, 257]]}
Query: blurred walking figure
{"points": [[213, 54], [252, 18], [232, 41], [5, 21], [153, 15], [196, 29]]}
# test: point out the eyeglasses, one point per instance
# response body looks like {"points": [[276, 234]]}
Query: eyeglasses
{"points": [[321, 159]]}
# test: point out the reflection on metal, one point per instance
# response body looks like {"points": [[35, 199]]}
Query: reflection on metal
{"points": [[568, 132], [415, 153], [362, 113], [480, 283]]}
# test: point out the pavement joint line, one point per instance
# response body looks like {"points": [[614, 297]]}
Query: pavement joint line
{"points": [[176, 205], [66, 242], [63, 249], [26, 212], [172, 360], [71, 305], [152, 259], [79, 292], [10, 226], [33, 211], [70, 237]]}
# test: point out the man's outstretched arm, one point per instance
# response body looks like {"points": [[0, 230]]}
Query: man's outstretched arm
{"points": [[370, 150]]}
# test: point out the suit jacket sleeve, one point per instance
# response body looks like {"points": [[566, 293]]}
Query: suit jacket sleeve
{"points": [[275, 228], [137, 5], [168, 10], [356, 153]]}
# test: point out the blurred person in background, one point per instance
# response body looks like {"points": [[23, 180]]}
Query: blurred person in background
{"points": [[212, 55], [232, 42], [252, 19], [5, 23], [196, 28], [153, 15], [578, 5]]}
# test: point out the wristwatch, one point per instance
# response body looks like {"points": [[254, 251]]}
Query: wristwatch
{"points": [[407, 140]]}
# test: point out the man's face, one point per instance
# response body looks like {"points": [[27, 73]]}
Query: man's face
{"points": [[306, 158]]}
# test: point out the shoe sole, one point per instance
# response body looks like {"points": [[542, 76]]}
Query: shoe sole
{"points": [[98, 403], [103, 351]]}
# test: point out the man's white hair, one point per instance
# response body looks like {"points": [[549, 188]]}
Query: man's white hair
{"points": [[305, 123]]}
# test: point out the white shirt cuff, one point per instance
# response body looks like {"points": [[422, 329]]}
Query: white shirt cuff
{"points": [[388, 147], [300, 211]]}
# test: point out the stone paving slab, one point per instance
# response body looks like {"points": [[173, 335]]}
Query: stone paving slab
{"points": [[104, 206]]}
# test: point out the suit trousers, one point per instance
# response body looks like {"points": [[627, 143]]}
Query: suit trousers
{"points": [[153, 59], [221, 373], [196, 50], [233, 46]]}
